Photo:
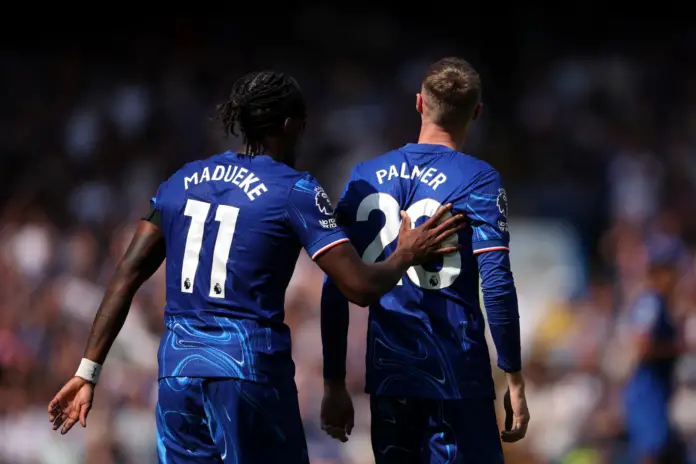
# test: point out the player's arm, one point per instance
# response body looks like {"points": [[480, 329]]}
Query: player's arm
{"points": [[335, 318], [335, 315], [486, 209], [329, 246], [143, 257], [364, 283], [337, 413], [487, 212]]}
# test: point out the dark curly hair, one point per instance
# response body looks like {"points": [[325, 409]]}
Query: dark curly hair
{"points": [[259, 104]]}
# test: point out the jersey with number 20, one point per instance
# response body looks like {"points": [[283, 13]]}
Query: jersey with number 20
{"points": [[234, 226], [426, 336]]}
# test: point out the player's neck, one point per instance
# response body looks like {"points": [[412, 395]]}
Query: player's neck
{"points": [[273, 149], [435, 135]]}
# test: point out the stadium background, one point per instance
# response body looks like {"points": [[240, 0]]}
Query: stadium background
{"points": [[592, 125]]}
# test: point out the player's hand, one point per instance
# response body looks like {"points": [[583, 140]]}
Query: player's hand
{"points": [[71, 404], [337, 414], [516, 414], [424, 243]]}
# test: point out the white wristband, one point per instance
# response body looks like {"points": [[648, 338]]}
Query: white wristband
{"points": [[89, 370]]}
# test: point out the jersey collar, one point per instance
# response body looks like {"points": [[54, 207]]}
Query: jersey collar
{"points": [[426, 148]]}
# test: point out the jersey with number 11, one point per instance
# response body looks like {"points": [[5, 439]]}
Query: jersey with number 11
{"points": [[426, 336], [234, 226]]}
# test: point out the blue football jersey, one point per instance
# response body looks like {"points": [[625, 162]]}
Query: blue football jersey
{"points": [[426, 336], [234, 226], [650, 316]]}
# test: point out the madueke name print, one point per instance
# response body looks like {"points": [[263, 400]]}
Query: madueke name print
{"points": [[243, 178]]}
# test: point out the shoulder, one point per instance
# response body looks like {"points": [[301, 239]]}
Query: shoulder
{"points": [[193, 167], [381, 161], [475, 167], [305, 188], [366, 177], [168, 187], [373, 169], [480, 180], [303, 182], [307, 198]]}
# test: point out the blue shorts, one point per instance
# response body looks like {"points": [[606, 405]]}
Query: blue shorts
{"points": [[429, 431], [228, 420]]}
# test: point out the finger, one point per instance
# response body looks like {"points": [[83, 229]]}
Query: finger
{"points": [[337, 432], [340, 436], [506, 437], [448, 233], [327, 427], [453, 224], [59, 420], [405, 221], [447, 250], [511, 436], [437, 217], [515, 429], [54, 413], [450, 224], [518, 431], [53, 405], [335, 429], [83, 414], [72, 420]]}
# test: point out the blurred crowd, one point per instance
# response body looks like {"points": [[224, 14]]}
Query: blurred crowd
{"points": [[603, 142]]}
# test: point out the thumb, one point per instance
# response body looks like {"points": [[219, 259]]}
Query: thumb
{"points": [[405, 221]]}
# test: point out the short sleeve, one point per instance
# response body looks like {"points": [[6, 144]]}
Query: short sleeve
{"points": [[487, 210], [355, 190], [154, 214], [312, 217], [156, 201]]}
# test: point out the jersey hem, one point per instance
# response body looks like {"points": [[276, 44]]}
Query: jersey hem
{"points": [[326, 248], [494, 248], [483, 395]]}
